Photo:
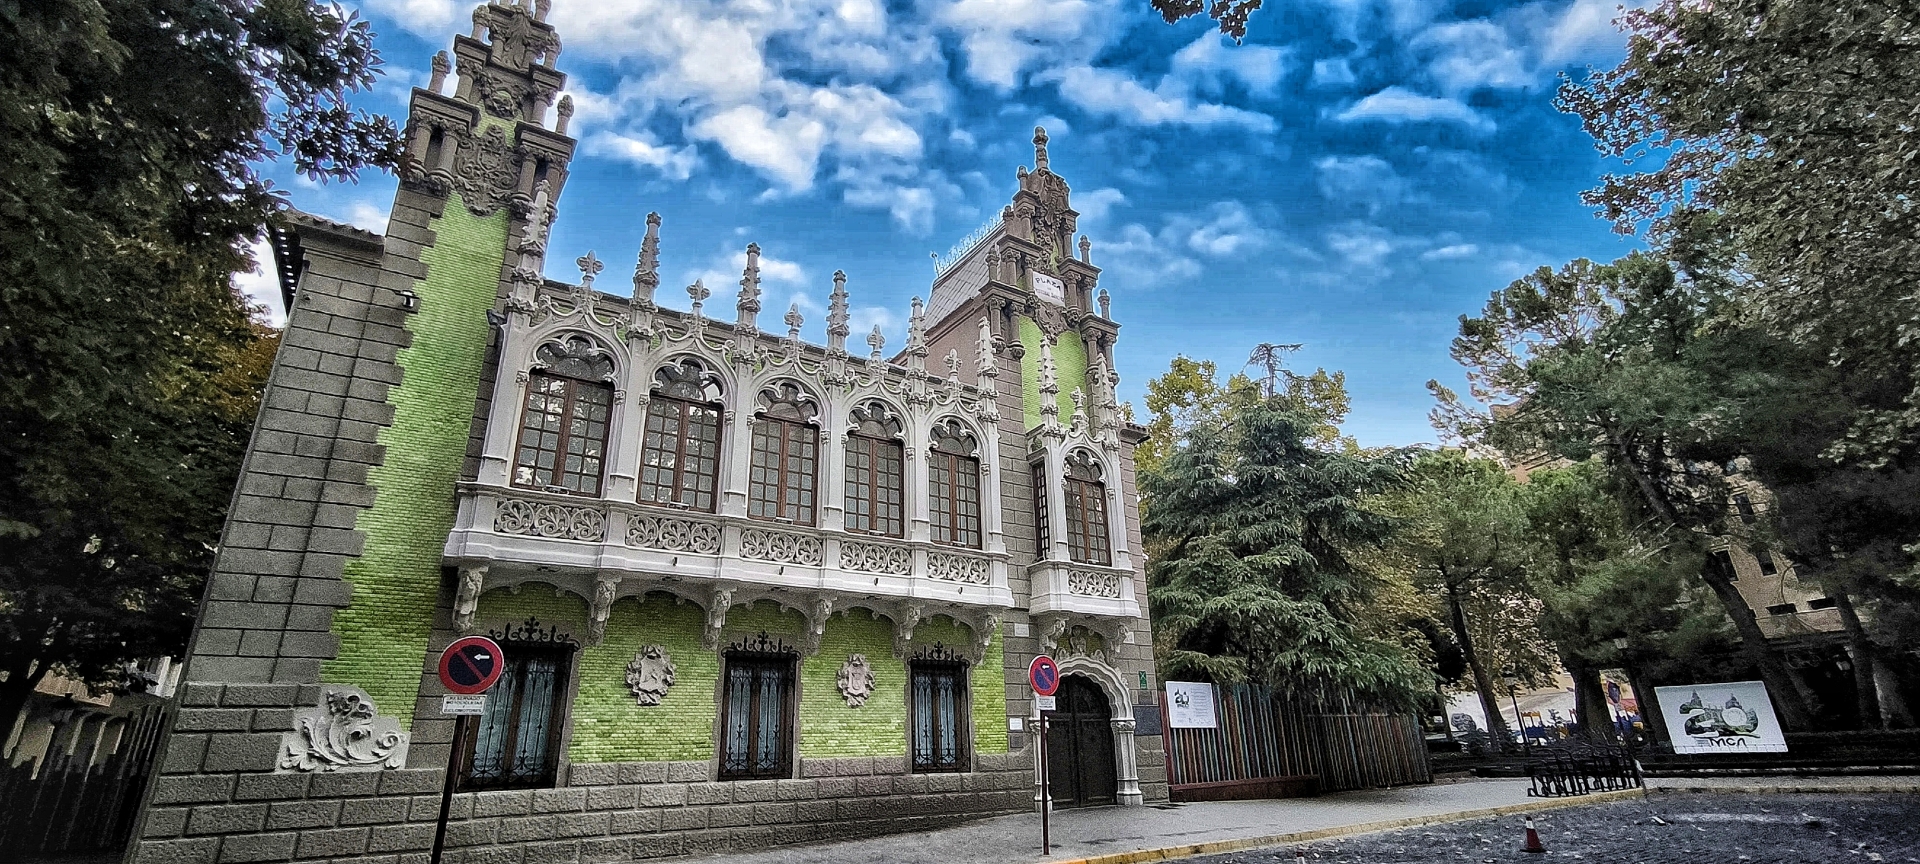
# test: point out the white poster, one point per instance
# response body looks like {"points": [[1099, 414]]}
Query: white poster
{"points": [[1190, 705], [1050, 289], [1721, 718]]}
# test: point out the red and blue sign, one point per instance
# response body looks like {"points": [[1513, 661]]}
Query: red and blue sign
{"points": [[470, 665], [1043, 675]]}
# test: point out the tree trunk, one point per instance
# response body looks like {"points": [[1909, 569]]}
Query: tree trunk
{"points": [[1788, 697], [1647, 705], [1893, 703], [14, 693], [1865, 689], [1489, 701], [1589, 701]]}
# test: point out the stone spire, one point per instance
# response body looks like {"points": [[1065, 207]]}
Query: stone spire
{"points": [[917, 337], [876, 340], [837, 329], [438, 79], [794, 321], [699, 293], [953, 366], [749, 305], [646, 272], [984, 367], [1106, 304], [1049, 388], [1086, 250], [1079, 420], [563, 115], [1040, 149]]}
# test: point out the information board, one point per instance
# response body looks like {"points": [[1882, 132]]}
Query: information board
{"points": [[1721, 718], [1190, 705]]}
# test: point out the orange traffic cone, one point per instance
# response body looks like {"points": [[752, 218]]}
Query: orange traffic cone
{"points": [[1533, 839]]}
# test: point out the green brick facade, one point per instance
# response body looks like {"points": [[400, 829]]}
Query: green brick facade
{"points": [[1069, 363], [396, 582]]}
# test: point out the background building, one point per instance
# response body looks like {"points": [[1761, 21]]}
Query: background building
{"points": [[750, 590]]}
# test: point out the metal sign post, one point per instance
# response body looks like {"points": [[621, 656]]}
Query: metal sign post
{"points": [[467, 668], [1044, 675]]}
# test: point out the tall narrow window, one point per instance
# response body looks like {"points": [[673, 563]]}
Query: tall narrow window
{"points": [[953, 474], [563, 429], [756, 738], [876, 473], [1767, 565], [515, 744], [780, 484], [1726, 564], [938, 689], [1086, 511], [1744, 504], [1043, 541], [680, 449]]}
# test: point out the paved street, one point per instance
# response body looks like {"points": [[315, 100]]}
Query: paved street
{"points": [[1106, 830], [1691, 829]]}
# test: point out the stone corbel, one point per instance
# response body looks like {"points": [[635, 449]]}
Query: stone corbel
{"points": [[1053, 630], [717, 617], [817, 613], [466, 597], [600, 608], [903, 623], [985, 626]]}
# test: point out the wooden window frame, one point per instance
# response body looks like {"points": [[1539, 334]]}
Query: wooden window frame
{"points": [[1090, 520], [785, 472], [869, 488], [677, 488], [569, 408], [939, 662], [787, 665], [563, 654], [951, 520], [1043, 544]]}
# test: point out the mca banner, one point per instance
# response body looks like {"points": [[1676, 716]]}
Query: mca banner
{"points": [[1721, 718]]}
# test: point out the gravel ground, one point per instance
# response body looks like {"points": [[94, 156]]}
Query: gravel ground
{"points": [[1664, 829]]}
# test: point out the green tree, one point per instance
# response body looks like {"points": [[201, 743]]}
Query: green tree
{"points": [[130, 133], [1189, 393], [1255, 577], [1625, 362], [1462, 538]]}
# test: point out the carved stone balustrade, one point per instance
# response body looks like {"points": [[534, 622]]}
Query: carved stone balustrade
{"points": [[1066, 588]]}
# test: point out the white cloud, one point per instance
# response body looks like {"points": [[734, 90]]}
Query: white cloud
{"points": [[1362, 245], [785, 147], [672, 163], [1003, 38], [1584, 31], [1399, 105], [1332, 72], [260, 285], [1370, 181], [1115, 93], [1465, 56], [1095, 205], [1211, 60], [1452, 252], [1146, 257], [1228, 228], [430, 18]]}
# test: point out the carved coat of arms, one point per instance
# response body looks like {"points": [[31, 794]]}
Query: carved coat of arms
{"points": [[650, 675], [856, 680]]}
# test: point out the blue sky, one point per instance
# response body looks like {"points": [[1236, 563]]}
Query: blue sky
{"points": [[1354, 177]]}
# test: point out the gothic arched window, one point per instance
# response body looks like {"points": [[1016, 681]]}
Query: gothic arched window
{"points": [[1086, 510], [953, 474], [876, 472], [786, 450], [680, 449], [563, 425]]}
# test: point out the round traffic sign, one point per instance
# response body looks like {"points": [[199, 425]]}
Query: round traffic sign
{"points": [[470, 665], [1043, 675]]}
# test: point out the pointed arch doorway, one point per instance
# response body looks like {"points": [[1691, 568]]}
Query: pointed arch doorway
{"points": [[1080, 746]]}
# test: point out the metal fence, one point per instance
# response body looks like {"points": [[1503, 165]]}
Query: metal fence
{"points": [[1581, 769], [1267, 745], [84, 797]]}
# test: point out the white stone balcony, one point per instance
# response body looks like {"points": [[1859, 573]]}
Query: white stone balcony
{"points": [[604, 549], [1075, 589]]}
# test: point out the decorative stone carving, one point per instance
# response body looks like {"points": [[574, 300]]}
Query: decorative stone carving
{"points": [[1087, 583], [760, 544], [673, 534], [600, 608], [984, 629], [958, 568], [716, 617], [903, 624], [575, 357], [466, 597], [855, 680], [650, 674], [485, 170], [876, 558], [817, 613], [345, 732], [553, 521], [1052, 628], [502, 95]]}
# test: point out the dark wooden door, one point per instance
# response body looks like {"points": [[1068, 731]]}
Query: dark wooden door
{"points": [[1080, 746]]}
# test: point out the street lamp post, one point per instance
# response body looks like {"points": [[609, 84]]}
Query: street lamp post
{"points": [[1620, 645], [1519, 722]]}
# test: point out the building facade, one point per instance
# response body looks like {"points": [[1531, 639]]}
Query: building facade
{"points": [[749, 590]]}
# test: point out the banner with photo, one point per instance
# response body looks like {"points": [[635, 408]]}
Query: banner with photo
{"points": [[1721, 718], [1190, 705]]}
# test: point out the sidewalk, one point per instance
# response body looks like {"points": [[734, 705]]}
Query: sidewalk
{"points": [[1172, 830]]}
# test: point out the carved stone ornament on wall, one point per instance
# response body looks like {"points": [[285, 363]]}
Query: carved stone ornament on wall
{"points": [[759, 544], [650, 675], [1089, 584], [673, 534], [503, 95], [554, 521], [876, 558], [855, 680], [485, 170], [345, 732]]}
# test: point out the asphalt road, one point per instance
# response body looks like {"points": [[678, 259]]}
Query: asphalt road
{"points": [[1663, 829]]}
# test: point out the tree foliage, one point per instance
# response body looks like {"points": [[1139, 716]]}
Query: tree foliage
{"points": [[130, 135], [1256, 577]]}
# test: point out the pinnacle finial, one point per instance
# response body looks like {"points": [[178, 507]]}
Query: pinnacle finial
{"points": [[1106, 304], [876, 341], [441, 66], [646, 273], [590, 267], [1040, 148], [953, 365], [699, 293], [837, 329], [794, 321], [563, 115], [749, 305], [1086, 250]]}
